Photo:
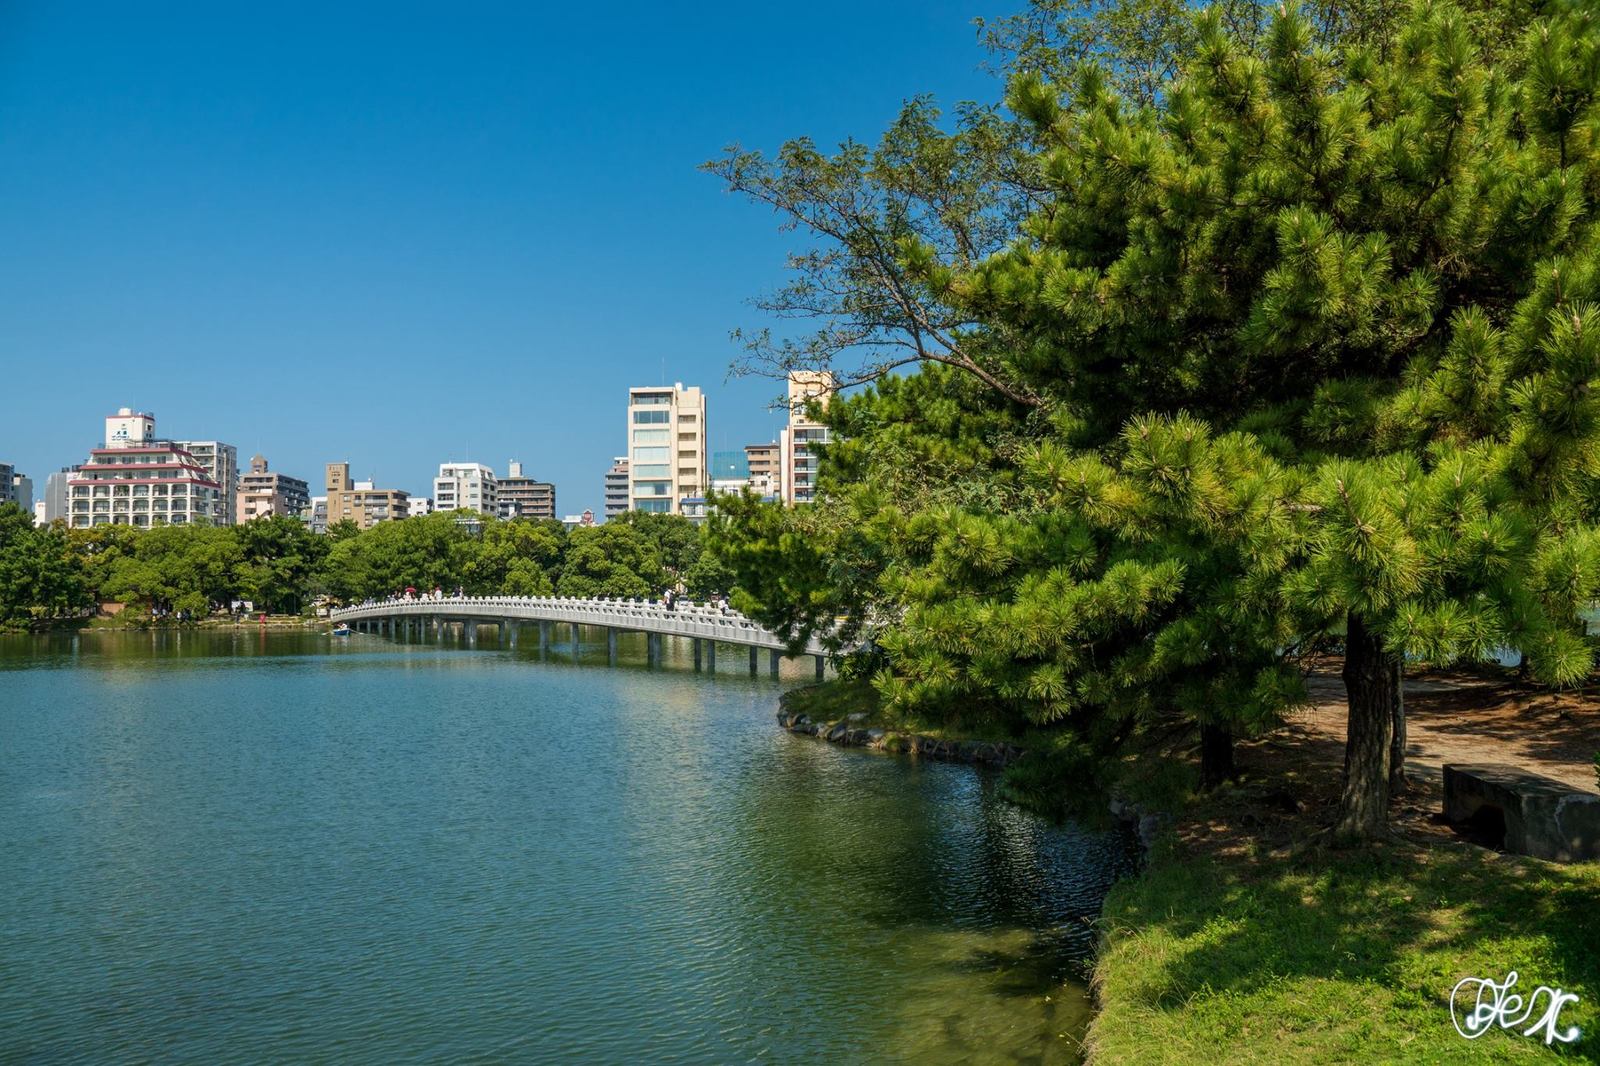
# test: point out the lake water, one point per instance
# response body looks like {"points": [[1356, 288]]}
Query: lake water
{"points": [[236, 846]]}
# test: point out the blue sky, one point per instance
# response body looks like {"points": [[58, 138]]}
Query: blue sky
{"points": [[401, 234]]}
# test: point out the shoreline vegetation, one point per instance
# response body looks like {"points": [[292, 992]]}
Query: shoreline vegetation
{"points": [[1238, 940]]}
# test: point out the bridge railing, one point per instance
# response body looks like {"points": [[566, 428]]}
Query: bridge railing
{"points": [[693, 620]]}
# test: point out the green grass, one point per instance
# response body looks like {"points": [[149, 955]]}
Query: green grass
{"points": [[1339, 957]]}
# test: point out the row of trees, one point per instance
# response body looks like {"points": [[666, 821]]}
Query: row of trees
{"points": [[1233, 338], [49, 573]]}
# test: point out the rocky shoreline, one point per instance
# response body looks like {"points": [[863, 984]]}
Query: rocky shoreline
{"points": [[849, 732]]}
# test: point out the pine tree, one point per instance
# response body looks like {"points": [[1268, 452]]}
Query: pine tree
{"points": [[1298, 350]]}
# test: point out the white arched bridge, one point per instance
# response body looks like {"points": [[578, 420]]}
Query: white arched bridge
{"points": [[706, 626]]}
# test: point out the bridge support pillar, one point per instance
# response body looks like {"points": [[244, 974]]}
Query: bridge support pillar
{"points": [[544, 638], [611, 647], [822, 662], [755, 660], [574, 637], [438, 626], [652, 648], [697, 653], [711, 656], [510, 634], [773, 657], [469, 629]]}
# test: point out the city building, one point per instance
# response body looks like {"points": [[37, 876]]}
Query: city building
{"points": [[418, 506], [574, 521], [221, 462], [666, 447], [22, 491], [472, 486], [38, 513], [523, 497], [765, 467], [316, 516], [263, 492], [359, 502], [796, 441], [56, 494], [15, 488], [617, 487], [730, 471], [137, 480]]}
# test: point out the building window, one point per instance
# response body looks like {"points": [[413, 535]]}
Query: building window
{"points": [[649, 436], [651, 418], [650, 455]]}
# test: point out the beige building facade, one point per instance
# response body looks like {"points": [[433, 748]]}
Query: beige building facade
{"points": [[797, 440], [666, 447], [359, 502], [264, 492]]}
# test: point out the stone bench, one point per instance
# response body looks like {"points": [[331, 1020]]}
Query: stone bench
{"points": [[1543, 818]]}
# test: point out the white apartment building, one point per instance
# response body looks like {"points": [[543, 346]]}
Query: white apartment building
{"points": [[417, 506], [666, 447], [799, 474], [137, 480], [221, 462], [466, 485]]}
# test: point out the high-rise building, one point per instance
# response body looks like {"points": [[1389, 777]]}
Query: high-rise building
{"points": [[666, 446], [56, 493], [12, 487], [803, 432], [221, 461], [524, 497], [766, 469], [469, 486], [263, 492], [137, 480], [359, 502], [617, 487]]}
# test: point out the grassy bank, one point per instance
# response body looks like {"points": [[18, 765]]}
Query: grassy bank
{"points": [[1218, 955]]}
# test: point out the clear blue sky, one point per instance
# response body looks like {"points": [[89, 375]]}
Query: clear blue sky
{"points": [[402, 234]]}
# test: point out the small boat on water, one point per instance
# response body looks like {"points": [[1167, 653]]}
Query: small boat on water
{"points": [[341, 630]]}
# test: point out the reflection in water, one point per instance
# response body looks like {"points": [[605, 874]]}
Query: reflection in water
{"points": [[212, 843]]}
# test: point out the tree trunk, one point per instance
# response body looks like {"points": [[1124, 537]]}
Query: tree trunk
{"points": [[1216, 755], [1371, 682], [1398, 785]]}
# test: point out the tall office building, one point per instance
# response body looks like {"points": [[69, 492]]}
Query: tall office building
{"points": [[524, 497], [617, 487], [264, 492], [11, 483], [468, 486], [798, 437], [359, 502], [221, 462], [137, 480], [56, 493], [666, 447]]}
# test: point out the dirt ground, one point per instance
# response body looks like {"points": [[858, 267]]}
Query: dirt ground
{"points": [[1291, 776]]}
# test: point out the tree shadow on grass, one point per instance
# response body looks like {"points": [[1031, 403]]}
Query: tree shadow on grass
{"points": [[1411, 920]]}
